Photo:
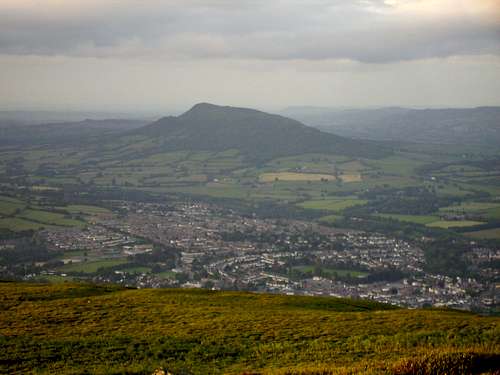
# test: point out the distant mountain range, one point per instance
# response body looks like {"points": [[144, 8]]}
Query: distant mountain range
{"points": [[472, 126], [212, 127], [12, 132], [257, 135], [53, 117]]}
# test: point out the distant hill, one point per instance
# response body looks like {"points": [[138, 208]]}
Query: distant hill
{"points": [[12, 132], [255, 134], [78, 328], [53, 117], [472, 126]]}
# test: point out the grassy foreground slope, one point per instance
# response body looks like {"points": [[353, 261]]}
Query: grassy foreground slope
{"points": [[71, 328]]}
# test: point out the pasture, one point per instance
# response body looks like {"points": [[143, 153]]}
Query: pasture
{"points": [[454, 223], [50, 218], [329, 219], [92, 266], [487, 234], [334, 205], [417, 219], [85, 209], [19, 215], [292, 176], [17, 224]]}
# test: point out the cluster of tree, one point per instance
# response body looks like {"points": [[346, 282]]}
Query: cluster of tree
{"points": [[492, 224], [161, 258], [249, 235], [488, 164], [388, 275], [446, 255], [25, 251], [20, 253]]}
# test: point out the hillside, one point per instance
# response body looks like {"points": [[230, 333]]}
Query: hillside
{"points": [[71, 328], [257, 135], [476, 126]]}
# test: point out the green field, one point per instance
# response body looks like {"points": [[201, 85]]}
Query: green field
{"points": [[493, 214], [75, 329], [402, 164], [91, 267], [488, 234], [16, 224], [53, 279], [166, 274], [84, 209], [229, 175], [4, 198], [454, 223], [334, 205], [417, 219], [10, 206], [329, 219], [18, 215], [51, 218]]}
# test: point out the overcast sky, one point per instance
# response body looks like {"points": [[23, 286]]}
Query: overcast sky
{"points": [[165, 55]]}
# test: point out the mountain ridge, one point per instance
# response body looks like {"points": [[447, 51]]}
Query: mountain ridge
{"points": [[258, 135]]}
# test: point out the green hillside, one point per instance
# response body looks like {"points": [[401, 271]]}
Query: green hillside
{"points": [[257, 135], [72, 329]]}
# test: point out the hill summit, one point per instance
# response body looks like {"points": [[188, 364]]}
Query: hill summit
{"points": [[257, 135]]}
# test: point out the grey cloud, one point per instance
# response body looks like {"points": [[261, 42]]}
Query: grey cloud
{"points": [[273, 30]]}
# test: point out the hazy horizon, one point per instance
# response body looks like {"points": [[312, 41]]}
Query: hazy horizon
{"points": [[55, 115]]}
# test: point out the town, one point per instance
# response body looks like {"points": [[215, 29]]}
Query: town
{"points": [[197, 245]]}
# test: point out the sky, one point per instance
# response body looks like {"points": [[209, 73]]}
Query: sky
{"points": [[166, 55]]}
